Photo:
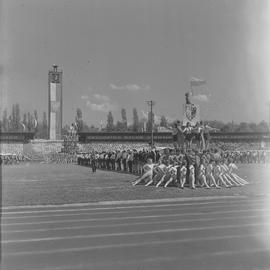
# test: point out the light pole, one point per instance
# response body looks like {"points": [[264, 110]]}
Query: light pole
{"points": [[151, 103]]}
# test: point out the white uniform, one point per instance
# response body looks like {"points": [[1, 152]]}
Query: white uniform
{"points": [[217, 171], [232, 168], [148, 167], [202, 170], [183, 171], [191, 170], [209, 169]]}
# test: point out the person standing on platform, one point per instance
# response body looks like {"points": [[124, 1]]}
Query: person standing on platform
{"points": [[188, 135], [174, 135], [178, 136], [206, 135]]}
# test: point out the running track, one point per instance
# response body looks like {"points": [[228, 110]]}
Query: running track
{"points": [[202, 233]]}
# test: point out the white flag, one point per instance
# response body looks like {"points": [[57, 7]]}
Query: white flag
{"points": [[197, 81], [23, 125]]}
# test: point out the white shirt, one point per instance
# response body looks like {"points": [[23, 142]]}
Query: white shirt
{"points": [[191, 170]]}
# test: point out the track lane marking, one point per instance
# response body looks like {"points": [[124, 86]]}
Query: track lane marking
{"points": [[102, 235], [110, 246], [130, 217], [125, 202], [4, 218], [129, 224], [4, 213]]}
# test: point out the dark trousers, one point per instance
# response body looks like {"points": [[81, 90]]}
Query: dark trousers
{"points": [[93, 165], [130, 166], [119, 164], [125, 164]]}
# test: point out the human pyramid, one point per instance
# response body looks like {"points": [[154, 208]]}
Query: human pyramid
{"points": [[196, 168]]}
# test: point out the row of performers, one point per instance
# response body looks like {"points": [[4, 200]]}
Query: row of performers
{"points": [[184, 136], [175, 172]]}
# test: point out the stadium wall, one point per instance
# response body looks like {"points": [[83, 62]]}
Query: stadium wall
{"points": [[165, 137], [23, 143]]}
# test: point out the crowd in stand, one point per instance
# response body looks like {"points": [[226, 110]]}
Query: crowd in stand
{"points": [[135, 152]]}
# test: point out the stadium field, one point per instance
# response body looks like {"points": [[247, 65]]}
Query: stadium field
{"points": [[194, 229], [35, 183]]}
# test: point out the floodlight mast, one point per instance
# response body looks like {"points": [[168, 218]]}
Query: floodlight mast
{"points": [[151, 103]]}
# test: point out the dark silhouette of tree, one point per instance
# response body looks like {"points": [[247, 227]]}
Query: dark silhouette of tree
{"points": [[243, 127], [12, 119], [30, 122], [78, 119], [10, 124], [263, 127], [17, 117], [163, 121], [44, 133], [124, 119], [110, 125], [5, 121], [136, 124], [119, 126]]}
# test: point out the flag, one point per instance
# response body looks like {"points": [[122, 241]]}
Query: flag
{"points": [[23, 125], [35, 123], [197, 82]]}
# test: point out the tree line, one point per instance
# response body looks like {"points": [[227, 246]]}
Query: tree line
{"points": [[16, 121], [144, 125]]}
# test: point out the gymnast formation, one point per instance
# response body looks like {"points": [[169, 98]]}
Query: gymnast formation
{"points": [[203, 170]]}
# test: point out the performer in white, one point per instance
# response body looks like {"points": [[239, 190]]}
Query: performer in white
{"points": [[183, 174], [148, 172], [166, 175], [226, 175], [192, 176], [188, 135], [173, 172], [202, 174], [158, 172], [232, 168], [209, 174], [218, 175], [206, 134]]}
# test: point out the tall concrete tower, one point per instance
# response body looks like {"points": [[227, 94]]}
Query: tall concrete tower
{"points": [[55, 103]]}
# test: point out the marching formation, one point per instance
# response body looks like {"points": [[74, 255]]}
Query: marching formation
{"points": [[170, 167]]}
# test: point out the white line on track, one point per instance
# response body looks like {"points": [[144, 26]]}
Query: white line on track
{"points": [[102, 235], [80, 212], [10, 231], [163, 242], [5, 213], [130, 217], [183, 199]]}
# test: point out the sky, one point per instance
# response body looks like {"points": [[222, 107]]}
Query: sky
{"points": [[119, 53]]}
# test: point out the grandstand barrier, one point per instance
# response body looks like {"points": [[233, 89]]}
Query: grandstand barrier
{"points": [[166, 137], [24, 144], [11, 137]]}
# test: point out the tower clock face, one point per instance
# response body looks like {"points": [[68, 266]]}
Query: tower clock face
{"points": [[55, 78]]}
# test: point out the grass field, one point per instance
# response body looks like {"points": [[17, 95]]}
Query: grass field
{"points": [[34, 183]]}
